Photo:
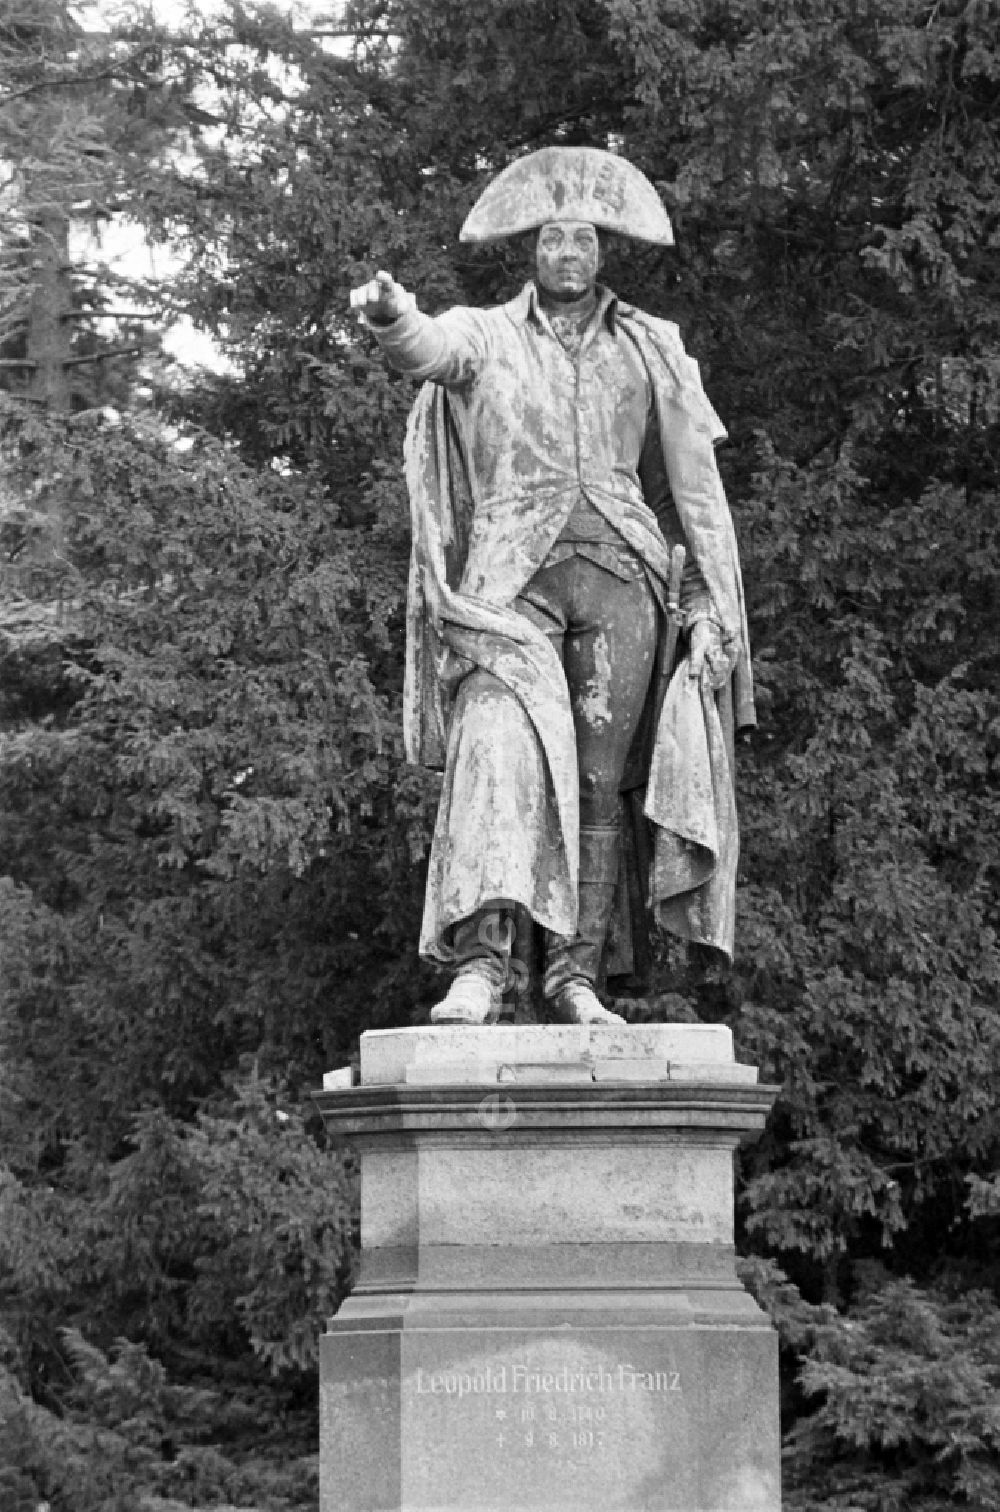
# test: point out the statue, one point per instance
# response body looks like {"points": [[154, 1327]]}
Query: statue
{"points": [[569, 523]]}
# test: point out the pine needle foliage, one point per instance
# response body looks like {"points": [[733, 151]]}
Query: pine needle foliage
{"points": [[211, 849]]}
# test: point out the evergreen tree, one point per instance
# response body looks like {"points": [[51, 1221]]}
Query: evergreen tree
{"points": [[212, 847]]}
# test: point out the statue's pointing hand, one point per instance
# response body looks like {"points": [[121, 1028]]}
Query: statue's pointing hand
{"points": [[382, 300]]}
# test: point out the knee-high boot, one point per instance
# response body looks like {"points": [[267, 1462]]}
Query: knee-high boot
{"points": [[572, 966]]}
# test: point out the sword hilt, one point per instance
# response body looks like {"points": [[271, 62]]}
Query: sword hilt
{"points": [[677, 557]]}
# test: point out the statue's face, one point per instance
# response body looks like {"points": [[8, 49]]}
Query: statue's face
{"points": [[568, 258]]}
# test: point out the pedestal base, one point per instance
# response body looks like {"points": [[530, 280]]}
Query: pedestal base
{"points": [[549, 1419], [547, 1317]]}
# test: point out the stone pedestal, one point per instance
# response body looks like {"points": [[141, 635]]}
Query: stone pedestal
{"points": [[547, 1316]]}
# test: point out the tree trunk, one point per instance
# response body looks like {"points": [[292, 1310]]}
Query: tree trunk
{"points": [[48, 330]]}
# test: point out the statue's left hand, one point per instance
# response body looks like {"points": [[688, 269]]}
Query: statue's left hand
{"points": [[708, 661]]}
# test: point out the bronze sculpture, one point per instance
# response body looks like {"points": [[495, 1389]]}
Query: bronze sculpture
{"points": [[559, 454]]}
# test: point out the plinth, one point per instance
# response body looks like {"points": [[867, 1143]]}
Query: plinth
{"points": [[547, 1316]]}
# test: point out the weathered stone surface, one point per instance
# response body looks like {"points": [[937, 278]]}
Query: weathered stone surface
{"points": [[708, 1073], [386, 1054], [344, 1076], [655, 1419], [621, 1070], [662, 1190], [547, 1315], [461, 1073]]}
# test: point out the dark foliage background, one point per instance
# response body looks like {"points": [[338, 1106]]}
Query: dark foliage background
{"points": [[210, 846]]}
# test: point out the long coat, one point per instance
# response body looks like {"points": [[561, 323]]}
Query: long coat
{"points": [[486, 698]]}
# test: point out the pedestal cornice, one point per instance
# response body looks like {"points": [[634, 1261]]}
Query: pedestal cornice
{"points": [[517, 1110]]}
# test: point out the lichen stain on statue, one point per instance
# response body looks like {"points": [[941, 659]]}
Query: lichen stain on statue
{"points": [[560, 451], [594, 701]]}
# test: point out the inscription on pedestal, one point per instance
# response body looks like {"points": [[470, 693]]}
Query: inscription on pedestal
{"points": [[528, 1380], [566, 1414], [586, 1419], [563, 1420]]}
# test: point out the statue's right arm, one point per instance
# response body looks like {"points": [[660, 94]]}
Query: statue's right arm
{"points": [[448, 349]]}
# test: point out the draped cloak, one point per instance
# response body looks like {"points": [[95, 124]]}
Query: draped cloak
{"points": [[486, 699]]}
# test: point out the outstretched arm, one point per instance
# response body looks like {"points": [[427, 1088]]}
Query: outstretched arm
{"points": [[446, 350]]}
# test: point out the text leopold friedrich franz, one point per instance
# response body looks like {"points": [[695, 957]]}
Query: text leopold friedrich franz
{"points": [[529, 1380]]}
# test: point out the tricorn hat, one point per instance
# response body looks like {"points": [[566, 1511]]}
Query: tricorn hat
{"points": [[569, 183]]}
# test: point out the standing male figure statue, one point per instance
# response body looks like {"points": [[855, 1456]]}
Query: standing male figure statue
{"points": [[561, 449]]}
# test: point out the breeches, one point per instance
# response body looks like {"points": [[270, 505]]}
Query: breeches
{"points": [[604, 631], [498, 842]]}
